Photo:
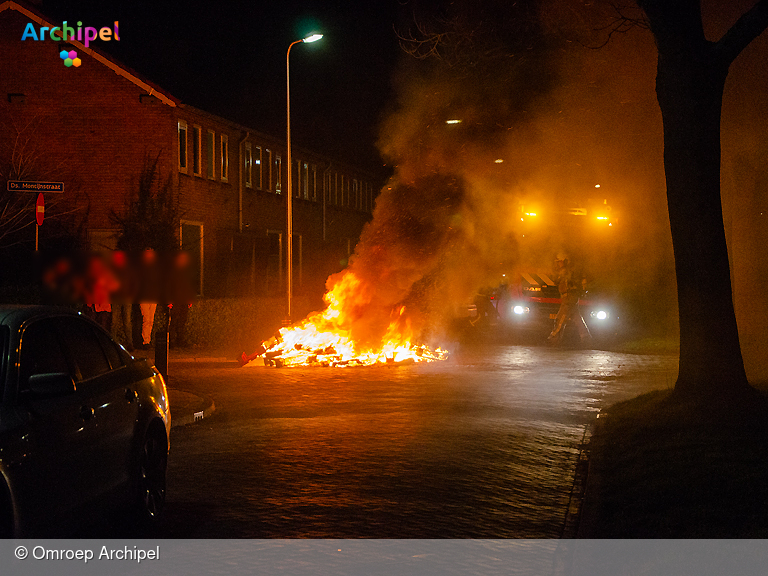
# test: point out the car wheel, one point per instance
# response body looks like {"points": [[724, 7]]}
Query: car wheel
{"points": [[153, 462]]}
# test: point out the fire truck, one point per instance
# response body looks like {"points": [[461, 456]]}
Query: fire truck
{"points": [[526, 303], [529, 306]]}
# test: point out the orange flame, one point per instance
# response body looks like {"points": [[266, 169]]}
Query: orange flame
{"points": [[325, 338]]}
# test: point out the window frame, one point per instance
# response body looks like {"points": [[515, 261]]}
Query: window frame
{"points": [[74, 354], [183, 165], [248, 165], [51, 325], [278, 174], [260, 168], [224, 154]]}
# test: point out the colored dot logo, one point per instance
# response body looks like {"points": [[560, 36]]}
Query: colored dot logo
{"points": [[70, 58]]}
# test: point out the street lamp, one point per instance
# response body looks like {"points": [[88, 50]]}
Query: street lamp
{"points": [[289, 226]]}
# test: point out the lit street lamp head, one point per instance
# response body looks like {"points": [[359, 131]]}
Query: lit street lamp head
{"points": [[312, 38]]}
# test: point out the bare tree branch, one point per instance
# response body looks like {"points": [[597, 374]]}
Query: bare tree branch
{"points": [[747, 28], [22, 157]]}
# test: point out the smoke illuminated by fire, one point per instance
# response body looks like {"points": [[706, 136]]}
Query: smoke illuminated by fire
{"points": [[562, 119]]}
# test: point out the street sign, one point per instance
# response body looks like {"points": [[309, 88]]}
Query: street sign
{"points": [[26, 186], [40, 209]]}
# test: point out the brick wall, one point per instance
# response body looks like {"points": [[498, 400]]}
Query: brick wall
{"points": [[93, 128], [88, 125]]}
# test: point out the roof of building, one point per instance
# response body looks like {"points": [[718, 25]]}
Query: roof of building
{"points": [[153, 89]]}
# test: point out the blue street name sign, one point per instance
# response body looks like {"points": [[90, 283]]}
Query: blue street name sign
{"points": [[25, 186]]}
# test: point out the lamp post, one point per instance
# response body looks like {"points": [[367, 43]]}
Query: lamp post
{"points": [[289, 198]]}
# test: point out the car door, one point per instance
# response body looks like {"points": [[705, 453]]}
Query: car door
{"points": [[56, 431], [111, 396]]}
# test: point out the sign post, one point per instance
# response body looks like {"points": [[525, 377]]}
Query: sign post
{"points": [[39, 215], [39, 187]]}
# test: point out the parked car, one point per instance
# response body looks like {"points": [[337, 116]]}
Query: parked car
{"points": [[84, 426]]}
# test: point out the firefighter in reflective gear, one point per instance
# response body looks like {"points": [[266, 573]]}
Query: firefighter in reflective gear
{"points": [[569, 313]]}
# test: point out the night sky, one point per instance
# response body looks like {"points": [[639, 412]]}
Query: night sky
{"points": [[229, 58]]}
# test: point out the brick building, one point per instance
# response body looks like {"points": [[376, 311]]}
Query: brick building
{"points": [[95, 125]]}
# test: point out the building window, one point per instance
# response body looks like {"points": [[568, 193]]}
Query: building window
{"points": [[296, 184], [259, 171], [196, 141], [224, 147], [268, 166], [356, 193], [273, 278], [343, 188], [371, 199], [248, 165], [210, 154], [278, 175], [336, 188], [313, 184], [191, 241], [182, 147], [305, 180], [346, 192]]}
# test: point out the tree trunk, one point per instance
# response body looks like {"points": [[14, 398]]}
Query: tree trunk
{"points": [[689, 86]]}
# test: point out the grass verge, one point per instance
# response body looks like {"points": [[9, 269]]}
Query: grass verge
{"points": [[668, 469]]}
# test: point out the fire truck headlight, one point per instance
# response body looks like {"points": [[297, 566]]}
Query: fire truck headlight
{"points": [[599, 314], [520, 310]]}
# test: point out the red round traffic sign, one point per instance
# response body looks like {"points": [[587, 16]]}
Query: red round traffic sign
{"points": [[40, 209]]}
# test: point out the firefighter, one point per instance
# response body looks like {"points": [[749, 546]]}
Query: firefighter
{"points": [[569, 313], [487, 313]]}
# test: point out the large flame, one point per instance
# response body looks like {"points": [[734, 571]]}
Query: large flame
{"points": [[325, 338]]}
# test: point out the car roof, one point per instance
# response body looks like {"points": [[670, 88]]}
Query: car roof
{"points": [[15, 315]]}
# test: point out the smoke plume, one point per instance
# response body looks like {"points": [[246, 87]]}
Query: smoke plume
{"points": [[475, 139]]}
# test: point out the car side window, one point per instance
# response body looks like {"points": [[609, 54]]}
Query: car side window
{"points": [[3, 359], [41, 351], [84, 348], [110, 349]]}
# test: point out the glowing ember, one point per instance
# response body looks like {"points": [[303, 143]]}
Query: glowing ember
{"points": [[325, 338]]}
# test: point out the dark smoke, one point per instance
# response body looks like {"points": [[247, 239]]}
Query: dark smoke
{"points": [[560, 118], [563, 118]]}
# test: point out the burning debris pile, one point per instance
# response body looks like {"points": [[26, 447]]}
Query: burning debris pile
{"points": [[325, 338], [379, 310]]}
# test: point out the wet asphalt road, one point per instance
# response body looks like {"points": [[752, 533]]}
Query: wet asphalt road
{"points": [[481, 446]]}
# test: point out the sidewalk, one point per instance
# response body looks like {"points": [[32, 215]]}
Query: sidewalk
{"points": [[668, 469], [186, 407]]}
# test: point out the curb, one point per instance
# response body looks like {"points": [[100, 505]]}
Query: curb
{"points": [[209, 359], [194, 408], [573, 515], [590, 496]]}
